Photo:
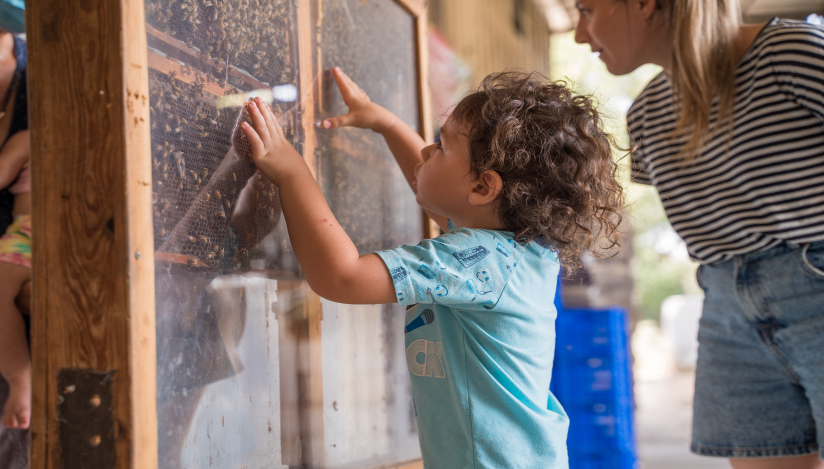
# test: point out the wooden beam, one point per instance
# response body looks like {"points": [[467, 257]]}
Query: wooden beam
{"points": [[93, 267]]}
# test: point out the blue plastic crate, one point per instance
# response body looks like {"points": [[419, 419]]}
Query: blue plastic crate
{"points": [[601, 460], [591, 378]]}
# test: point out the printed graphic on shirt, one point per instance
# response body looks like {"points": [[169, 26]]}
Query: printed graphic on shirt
{"points": [[431, 354], [471, 256], [426, 317], [464, 267], [398, 274]]}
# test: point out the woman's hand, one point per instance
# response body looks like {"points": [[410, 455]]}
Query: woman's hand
{"points": [[271, 152], [363, 113]]}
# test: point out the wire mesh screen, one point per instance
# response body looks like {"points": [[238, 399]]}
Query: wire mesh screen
{"points": [[230, 298], [374, 42], [373, 420]]}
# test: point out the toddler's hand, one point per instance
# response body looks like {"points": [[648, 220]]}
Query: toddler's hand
{"points": [[363, 113], [271, 152]]}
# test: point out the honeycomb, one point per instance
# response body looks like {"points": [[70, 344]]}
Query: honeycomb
{"points": [[201, 50]]}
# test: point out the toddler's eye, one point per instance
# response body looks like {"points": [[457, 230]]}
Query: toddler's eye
{"points": [[438, 144]]}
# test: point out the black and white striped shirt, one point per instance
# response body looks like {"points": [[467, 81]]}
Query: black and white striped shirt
{"points": [[766, 184]]}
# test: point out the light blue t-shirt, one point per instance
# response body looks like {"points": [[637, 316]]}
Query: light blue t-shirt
{"points": [[480, 341]]}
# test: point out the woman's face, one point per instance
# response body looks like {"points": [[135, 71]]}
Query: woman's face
{"points": [[621, 33]]}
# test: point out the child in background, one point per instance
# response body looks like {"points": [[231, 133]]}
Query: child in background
{"points": [[15, 271], [522, 176]]}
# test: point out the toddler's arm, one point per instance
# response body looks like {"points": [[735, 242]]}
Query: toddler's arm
{"points": [[329, 259], [404, 143], [14, 155]]}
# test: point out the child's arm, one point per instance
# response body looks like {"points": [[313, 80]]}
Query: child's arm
{"points": [[403, 141], [330, 261], [14, 155]]}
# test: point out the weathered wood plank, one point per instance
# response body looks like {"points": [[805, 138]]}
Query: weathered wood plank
{"points": [[93, 304]]}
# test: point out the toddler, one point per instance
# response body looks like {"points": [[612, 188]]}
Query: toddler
{"points": [[15, 271], [521, 178]]}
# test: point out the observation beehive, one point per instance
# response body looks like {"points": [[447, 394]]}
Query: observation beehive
{"points": [[251, 368]]}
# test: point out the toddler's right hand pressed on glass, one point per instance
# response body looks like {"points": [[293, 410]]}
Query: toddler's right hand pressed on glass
{"points": [[363, 113], [271, 152]]}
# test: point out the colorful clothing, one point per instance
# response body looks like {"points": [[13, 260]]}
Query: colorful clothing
{"points": [[480, 340], [15, 244]]}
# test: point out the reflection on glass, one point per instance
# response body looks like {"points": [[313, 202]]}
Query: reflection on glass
{"points": [[368, 412], [253, 369]]}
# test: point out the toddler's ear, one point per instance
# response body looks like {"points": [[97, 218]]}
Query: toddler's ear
{"points": [[486, 188]]}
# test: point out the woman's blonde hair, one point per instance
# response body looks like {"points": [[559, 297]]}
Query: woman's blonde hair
{"points": [[703, 65]]}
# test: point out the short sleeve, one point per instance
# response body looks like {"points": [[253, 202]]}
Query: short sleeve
{"points": [[467, 268], [797, 58]]}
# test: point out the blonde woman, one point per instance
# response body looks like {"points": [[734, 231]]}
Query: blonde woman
{"points": [[732, 136]]}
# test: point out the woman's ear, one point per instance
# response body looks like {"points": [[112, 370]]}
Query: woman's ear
{"points": [[646, 8], [486, 188]]}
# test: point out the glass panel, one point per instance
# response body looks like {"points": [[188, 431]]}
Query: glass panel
{"points": [[368, 410], [242, 350]]}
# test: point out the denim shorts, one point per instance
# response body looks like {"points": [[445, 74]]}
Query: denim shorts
{"points": [[759, 387]]}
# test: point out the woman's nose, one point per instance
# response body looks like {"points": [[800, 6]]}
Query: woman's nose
{"points": [[581, 36]]}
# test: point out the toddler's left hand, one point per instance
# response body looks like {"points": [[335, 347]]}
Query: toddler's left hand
{"points": [[271, 152]]}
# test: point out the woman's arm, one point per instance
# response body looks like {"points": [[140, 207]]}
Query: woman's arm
{"points": [[14, 155], [403, 141], [330, 261]]}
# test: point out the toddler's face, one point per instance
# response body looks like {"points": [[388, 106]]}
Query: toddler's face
{"points": [[443, 180]]}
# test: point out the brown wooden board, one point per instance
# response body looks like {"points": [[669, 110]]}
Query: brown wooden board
{"points": [[92, 267]]}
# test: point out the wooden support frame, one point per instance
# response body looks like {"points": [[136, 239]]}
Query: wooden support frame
{"points": [[93, 306], [93, 270]]}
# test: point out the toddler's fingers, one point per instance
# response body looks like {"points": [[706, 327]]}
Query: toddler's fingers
{"points": [[269, 116], [258, 122], [339, 121], [348, 88], [254, 139]]}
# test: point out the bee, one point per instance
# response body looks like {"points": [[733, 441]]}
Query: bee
{"points": [[205, 172], [167, 128], [178, 129], [210, 256], [191, 239], [208, 197], [234, 176], [220, 253], [217, 194], [228, 204], [204, 134], [198, 145], [164, 167], [172, 74], [221, 214], [203, 239], [162, 232], [211, 121], [191, 262], [201, 216]]}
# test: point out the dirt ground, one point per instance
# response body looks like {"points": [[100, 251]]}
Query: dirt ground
{"points": [[663, 395]]}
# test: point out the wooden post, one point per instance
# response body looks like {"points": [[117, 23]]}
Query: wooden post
{"points": [[93, 326]]}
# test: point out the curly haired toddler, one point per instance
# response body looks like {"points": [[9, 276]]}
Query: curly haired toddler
{"points": [[521, 177]]}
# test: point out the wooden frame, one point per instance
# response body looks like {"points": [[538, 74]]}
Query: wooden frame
{"points": [[93, 306], [93, 271]]}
